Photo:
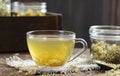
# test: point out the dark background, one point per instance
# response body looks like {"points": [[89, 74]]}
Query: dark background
{"points": [[79, 15]]}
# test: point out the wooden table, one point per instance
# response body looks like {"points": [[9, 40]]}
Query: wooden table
{"points": [[9, 71]]}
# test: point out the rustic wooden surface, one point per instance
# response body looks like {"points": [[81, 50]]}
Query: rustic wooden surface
{"points": [[10, 71]]}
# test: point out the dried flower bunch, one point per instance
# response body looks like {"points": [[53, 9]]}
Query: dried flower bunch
{"points": [[106, 52], [3, 8], [113, 72]]}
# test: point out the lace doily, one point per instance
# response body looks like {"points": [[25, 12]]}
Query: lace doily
{"points": [[79, 64]]}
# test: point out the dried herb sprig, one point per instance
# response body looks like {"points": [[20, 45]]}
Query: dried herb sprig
{"points": [[113, 72]]}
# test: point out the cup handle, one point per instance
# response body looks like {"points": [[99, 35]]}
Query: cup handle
{"points": [[78, 53]]}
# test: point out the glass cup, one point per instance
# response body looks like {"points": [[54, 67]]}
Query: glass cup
{"points": [[53, 47]]}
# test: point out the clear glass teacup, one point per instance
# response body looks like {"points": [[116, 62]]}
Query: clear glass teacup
{"points": [[53, 47]]}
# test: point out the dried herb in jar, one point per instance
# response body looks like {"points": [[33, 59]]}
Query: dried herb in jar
{"points": [[106, 52]]}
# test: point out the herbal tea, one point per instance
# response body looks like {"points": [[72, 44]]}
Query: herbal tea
{"points": [[50, 51], [53, 47]]}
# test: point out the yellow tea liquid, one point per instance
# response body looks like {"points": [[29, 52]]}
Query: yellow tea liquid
{"points": [[50, 51]]}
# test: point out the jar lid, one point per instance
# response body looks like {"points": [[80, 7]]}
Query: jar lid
{"points": [[105, 32]]}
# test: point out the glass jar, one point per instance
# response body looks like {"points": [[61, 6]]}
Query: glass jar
{"points": [[34, 8], [15, 8], [29, 8], [105, 43]]}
